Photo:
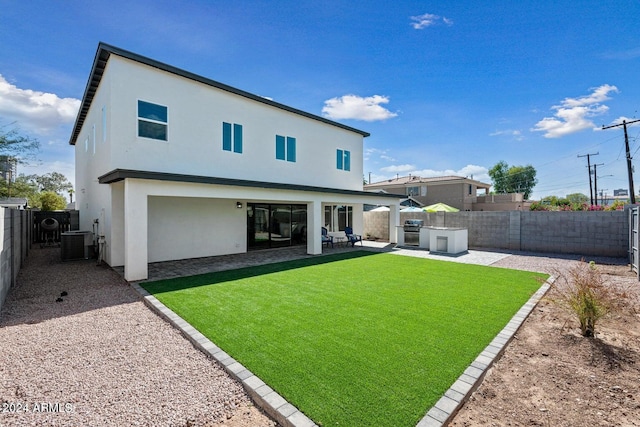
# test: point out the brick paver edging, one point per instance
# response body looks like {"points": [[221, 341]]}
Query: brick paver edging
{"points": [[289, 416], [263, 396], [445, 409]]}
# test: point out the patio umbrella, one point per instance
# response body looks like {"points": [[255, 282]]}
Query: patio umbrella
{"points": [[381, 209], [411, 209], [440, 207]]}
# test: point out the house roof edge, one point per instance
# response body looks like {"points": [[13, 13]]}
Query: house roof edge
{"points": [[105, 50], [117, 175]]}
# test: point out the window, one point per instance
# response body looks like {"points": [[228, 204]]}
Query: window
{"points": [[285, 148], [232, 137], [413, 191], [343, 160], [337, 217], [104, 124], [152, 121]]}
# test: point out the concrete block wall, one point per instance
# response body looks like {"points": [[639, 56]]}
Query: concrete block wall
{"points": [[603, 233], [15, 234], [376, 225], [594, 233]]}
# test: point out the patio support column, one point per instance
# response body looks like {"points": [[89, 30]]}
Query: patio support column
{"points": [[394, 222], [135, 231], [314, 227]]}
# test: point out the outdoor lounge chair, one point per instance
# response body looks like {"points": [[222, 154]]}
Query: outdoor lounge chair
{"points": [[352, 238], [326, 238]]}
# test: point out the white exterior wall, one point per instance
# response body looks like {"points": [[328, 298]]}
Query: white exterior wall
{"points": [[195, 115], [147, 220], [93, 153], [195, 227]]}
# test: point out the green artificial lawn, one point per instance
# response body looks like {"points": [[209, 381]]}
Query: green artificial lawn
{"points": [[355, 339]]}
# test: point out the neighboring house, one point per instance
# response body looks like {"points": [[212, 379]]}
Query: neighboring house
{"points": [[463, 193], [172, 165], [456, 191]]}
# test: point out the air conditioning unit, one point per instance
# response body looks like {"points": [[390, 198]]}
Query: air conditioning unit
{"points": [[76, 245]]}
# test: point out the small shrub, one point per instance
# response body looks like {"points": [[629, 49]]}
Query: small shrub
{"points": [[537, 206], [584, 293]]}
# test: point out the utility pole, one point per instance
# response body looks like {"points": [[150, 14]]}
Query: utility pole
{"points": [[595, 180], [629, 166], [603, 195], [588, 156]]}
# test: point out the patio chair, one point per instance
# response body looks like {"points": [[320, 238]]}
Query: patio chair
{"points": [[326, 238], [352, 238]]}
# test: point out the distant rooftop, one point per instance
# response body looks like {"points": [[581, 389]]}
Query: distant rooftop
{"points": [[414, 179]]}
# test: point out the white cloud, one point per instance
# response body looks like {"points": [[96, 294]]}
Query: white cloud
{"points": [[398, 168], [382, 154], [573, 114], [479, 173], [37, 111], [358, 108], [514, 133], [428, 20]]}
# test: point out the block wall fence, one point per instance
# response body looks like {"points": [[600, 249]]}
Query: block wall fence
{"points": [[589, 233], [15, 240]]}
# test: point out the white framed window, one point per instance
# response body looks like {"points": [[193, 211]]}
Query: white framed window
{"points": [[343, 160], [232, 137], [152, 121]]}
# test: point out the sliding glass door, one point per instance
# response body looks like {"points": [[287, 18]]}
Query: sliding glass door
{"points": [[275, 225]]}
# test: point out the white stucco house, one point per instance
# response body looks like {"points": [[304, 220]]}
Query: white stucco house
{"points": [[171, 165]]}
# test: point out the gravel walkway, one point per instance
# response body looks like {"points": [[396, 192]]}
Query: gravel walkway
{"points": [[101, 357]]}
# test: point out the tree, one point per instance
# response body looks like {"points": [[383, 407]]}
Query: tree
{"points": [[50, 201], [53, 181], [13, 144], [21, 187], [577, 198], [514, 179]]}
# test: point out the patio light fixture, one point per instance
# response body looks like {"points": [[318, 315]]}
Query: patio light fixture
{"points": [[239, 205]]}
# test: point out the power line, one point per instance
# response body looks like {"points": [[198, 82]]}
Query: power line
{"points": [[588, 156], [629, 166]]}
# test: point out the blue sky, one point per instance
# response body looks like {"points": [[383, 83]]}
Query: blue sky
{"points": [[443, 87]]}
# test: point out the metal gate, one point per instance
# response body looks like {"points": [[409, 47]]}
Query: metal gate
{"points": [[633, 239]]}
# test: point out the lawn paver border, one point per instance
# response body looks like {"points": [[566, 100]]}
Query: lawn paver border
{"points": [[445, 409], [289, 416], [263, 396]]}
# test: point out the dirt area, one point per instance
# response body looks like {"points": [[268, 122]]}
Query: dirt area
{"points": [[550, 375]]}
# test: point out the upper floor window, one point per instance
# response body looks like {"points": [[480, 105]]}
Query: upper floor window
{"points": [[413, 191], [232, 137], [285, 148], [152, 121], [104, 124], [343, 160]]}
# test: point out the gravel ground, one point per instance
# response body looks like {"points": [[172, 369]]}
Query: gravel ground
{"points": [[101, 357]]}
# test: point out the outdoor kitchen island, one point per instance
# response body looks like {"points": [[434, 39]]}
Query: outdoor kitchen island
{"points": [[442, 240]]}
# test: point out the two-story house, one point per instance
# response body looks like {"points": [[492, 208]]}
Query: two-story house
{"points": [[172, 165], [457, 191]]}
